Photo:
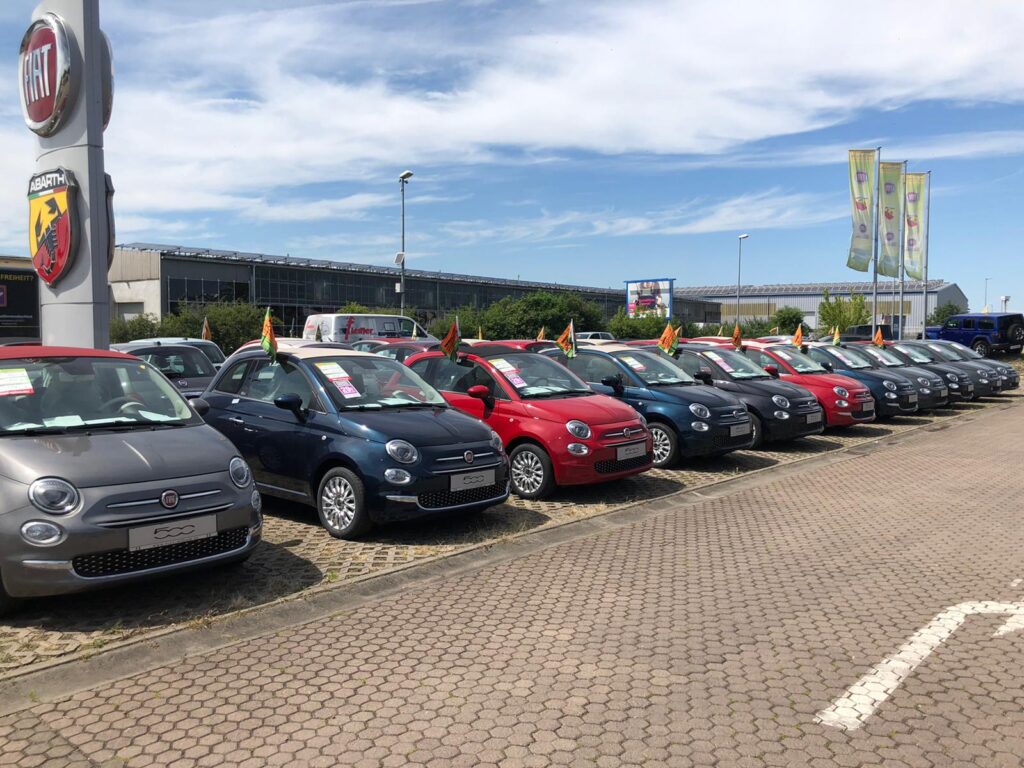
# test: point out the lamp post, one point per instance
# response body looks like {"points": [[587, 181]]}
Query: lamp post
{"points": [[403, 179], [984, 306], [739, 268]]}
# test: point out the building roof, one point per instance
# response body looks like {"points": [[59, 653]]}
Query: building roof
{"points": [[789, 289], [187, 252]]}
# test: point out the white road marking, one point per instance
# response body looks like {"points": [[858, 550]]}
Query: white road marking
{"points": [[865, 696]]}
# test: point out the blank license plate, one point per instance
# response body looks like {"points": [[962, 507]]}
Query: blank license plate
{"points": [[630, 451], [739, 429], [814, 418], [912, 399], [469, 480], [869, 405], [172, 532]]}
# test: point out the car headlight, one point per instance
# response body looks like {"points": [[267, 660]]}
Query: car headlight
{"points": [[53, 495], [42, 533], [780, 401], [952, 377], [578, 429], [841, 391], [240, 473], [923, 380], [495, 442], [700, 411], [643, 420], [891, 386], [402, 451]]}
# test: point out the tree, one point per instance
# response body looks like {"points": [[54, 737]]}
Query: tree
{"points": [[787, 319], [836, 311], [623, 326], [943, 313], [354, 308], [138, 327], [232, 323]]}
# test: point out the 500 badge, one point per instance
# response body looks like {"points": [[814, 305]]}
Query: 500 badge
{"points": [[52, 222]]}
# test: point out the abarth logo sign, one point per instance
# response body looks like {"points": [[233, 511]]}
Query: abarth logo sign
{"points": [[45, 75], [52, 222]]}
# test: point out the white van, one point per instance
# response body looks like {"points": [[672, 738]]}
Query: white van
{"points": [[349, 328]]}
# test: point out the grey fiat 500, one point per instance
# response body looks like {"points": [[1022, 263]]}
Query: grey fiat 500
{"points": [[107, 475]]}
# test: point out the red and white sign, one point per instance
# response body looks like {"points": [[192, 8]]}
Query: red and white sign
{"points": [[44, 75]]}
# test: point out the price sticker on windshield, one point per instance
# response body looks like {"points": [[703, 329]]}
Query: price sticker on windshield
{"points": [[503, 365], [720, 361], [633, 363], [339, 378], [15, 381], [516, 380], [783, 355]]}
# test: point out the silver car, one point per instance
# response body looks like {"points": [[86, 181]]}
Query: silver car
{"points": [[107, 475], [187, 367]]}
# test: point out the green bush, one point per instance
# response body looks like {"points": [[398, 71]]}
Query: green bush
{"points": [[139, 327], [523, 318]]}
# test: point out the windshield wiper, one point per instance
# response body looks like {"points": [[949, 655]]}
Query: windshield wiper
{"points": [[675, 383], [37, 431], [412, 405], [363, 407]]}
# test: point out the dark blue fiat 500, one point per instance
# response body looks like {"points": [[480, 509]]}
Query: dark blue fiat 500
{"points": [[360, 437]]}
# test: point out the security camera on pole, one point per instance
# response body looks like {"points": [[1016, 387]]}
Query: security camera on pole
{"points": [[65, 82]]}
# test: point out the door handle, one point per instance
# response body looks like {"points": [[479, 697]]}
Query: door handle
{"points": [[236, 420]]}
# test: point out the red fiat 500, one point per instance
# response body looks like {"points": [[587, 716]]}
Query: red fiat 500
{"points": [[557, 431], [845, 401]]}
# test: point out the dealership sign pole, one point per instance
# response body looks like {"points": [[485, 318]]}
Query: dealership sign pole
{"points": [[65, 83]]}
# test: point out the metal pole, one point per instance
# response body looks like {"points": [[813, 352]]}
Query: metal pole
{"points": [[986, 293], [925, 247], [739, 267], [903, 225], [874, 248], [402, 183]]}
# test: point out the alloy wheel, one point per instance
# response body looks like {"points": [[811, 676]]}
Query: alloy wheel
{"points": [[662, 444], [527, 472], [338, 500]]}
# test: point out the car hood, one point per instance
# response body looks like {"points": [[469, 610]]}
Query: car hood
{"points": [[420, 426], [593, 409], [695, 393], [914, 372], [827, 380], [876, 374], [115, 458], [765, 388]]}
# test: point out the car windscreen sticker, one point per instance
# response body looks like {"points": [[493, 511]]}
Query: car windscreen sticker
{"points": [[842, 357], [783, 355], [720, 360], [339, 378], [509, 371], [64, 421], [633, 363], [15, 381]]}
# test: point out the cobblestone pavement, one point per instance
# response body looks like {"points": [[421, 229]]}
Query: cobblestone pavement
{"points": [[298, 555], [708, 634]]}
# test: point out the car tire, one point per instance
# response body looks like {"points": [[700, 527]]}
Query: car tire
{"points": [[666, 444], [341, 504], [982, 347], [530, 471], [758, 429], [1015, 333]]}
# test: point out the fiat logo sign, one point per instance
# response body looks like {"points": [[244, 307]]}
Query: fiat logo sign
{"points": [[468, 457], [169, 499], [44, 74]]}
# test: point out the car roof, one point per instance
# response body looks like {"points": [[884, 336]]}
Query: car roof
{"points": [[173, 340], [11, 353], [137, 346]]}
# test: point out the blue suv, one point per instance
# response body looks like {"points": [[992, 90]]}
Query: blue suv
{"points": [[362, 438], [984, 332], [685, 418]]}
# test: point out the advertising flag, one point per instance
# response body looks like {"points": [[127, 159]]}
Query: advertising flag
{"points": [[737, 339], [207, 334], [915, 238], [540, 334], [862, 203], [267, 338], [669, 340], [567, 341], [798, 337], [835, 336], [890, 190], [450, 343], [878, 341]]}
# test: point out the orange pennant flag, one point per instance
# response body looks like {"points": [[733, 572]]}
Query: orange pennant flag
{"points": [[798, 337], [878, 341], [737, 338]]}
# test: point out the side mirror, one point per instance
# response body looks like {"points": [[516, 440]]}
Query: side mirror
{"points": [[200, 406], [291, 402], [615, 382], [704, 377], [480, 392], [828, 366], [772, 371]]}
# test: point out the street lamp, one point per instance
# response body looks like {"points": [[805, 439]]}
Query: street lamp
{"points": [[985, 305], [739, 267], [403, 179]]}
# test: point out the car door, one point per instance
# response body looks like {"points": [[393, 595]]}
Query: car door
{"points": [[951, 330], [223, 398], [453, 380]]}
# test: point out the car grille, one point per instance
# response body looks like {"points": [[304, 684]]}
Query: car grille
{"points": [[441, 499], [624, 465], [123, 561], [725, 441]]}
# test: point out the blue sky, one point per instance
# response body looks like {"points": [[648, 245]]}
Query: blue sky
{"points": [[586, 142]]}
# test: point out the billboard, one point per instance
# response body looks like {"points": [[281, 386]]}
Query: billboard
{"points": [[19, 305], [649, 297]]}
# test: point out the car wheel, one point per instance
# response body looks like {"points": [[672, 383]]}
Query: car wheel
{"points": [[757, 431], [532, 477], [666, 444], [982, 347], [1015, 333], [341, 504]]}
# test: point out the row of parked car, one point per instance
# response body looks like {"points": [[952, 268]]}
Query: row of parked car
{"points": [[118, 465]]}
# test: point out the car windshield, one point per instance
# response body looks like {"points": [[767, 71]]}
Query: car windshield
{"points": [[211, 350], [653, 370], [373, 382], [736, 365], [800, 362], [917, 354], [881, 355], [850, 358], [967, 352], [946, 353], [65, 394], [533, 375], [178, 362]]}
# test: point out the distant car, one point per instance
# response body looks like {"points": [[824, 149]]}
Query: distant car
{"points": [[189, 369], [108, 476], [292, 342], [984, 332], [932, 389], [894, 394], [864, 333], [594, 335], [685, 418], [1009, 374], [368, 345], [529, 345], [958, 381], [208, 348], [984, 381], [556, 430], [403, 350], [361, 438], [351, 328]]}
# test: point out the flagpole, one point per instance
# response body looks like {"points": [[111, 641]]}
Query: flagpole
{"points": [[925, 246], [903, 224], [874, 248]]}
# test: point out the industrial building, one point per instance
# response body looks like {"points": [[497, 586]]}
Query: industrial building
{"points": [[155, 279], [761, 301]]}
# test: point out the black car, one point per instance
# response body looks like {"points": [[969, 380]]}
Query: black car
{"points": [[895, 395], [932, 389], [960, 385], [984, 384], [187, 367], [1007, 377], [360, 437], [778, 410]]}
